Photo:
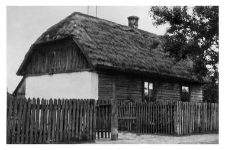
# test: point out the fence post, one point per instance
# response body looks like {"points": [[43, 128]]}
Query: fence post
{"points": [[114, 120]]}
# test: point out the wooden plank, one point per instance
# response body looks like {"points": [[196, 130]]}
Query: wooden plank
{"points": [[32, 127], [40, 138], [77, 119], [81, 119], [49, 125], [109, 119], [180, 117], [195, 118], [191, 117], [88, 119], [214, 117], [84, 116], [28, 121], [168, 116], [23, 130], [54, 110], [91, 113], [108, 112], [19, 133], [94, 120], [172, 108], [157, 118], [14, 121], [45, 121], [139, 117], [102, 118], [205, 117], [65, 133], [200, 118], [37, 131], [73, 117], [9, 119], [185, 118], [142, 117], [210, 117], [58, 111], [145, 118], [176, 119], [33, 123], [152, 118], [163, 118], [170, 122], [69, 132], [97, 119], [62, 114], [148, 118], [133, 115]]}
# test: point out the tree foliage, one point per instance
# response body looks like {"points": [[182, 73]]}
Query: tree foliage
{"points": [[193, 33]]}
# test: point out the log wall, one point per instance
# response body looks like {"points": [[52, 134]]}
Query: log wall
{"points": [[127, 88], [196, 93], [131, 88], [167, 91]]}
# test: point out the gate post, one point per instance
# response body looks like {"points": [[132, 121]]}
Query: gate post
{"points": [[114, 120]]}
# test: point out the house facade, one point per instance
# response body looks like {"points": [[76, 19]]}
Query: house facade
{"points": [[84, 57]]}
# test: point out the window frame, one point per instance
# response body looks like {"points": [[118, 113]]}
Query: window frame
{"points": [[143, 91], [189, 92]]}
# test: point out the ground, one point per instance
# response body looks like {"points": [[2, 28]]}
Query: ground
{"points": [[133, 138]]}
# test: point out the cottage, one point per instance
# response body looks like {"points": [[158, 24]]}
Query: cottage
{"points": [[91, 58]]}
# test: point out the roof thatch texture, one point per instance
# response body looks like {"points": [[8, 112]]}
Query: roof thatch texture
{"points": [[115, 46]]}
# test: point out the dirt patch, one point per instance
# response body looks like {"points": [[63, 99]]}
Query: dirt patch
{"points": [[132, 138]]}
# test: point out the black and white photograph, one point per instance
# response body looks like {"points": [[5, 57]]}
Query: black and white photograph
{"points": [[112, 74]]}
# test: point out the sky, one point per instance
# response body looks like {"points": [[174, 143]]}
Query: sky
{"points": [[26, 23]]}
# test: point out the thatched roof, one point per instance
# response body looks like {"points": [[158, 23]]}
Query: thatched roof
{"points": [[111, 45]]}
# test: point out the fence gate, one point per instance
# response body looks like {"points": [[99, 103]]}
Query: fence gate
{"points": [[103, 119]]}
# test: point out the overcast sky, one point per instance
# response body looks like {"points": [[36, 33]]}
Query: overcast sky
{"points": [[26, 24]]}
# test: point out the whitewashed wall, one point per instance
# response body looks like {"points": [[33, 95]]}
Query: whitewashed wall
{"points": [[82, 85]]}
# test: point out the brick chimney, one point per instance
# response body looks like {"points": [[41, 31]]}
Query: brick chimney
{"points": [[133, 21]]}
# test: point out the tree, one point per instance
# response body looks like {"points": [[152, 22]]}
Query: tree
{"points": [[193, 33]]}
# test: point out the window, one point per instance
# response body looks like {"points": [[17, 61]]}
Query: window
{"points": [[148, 91], [185, 93]]}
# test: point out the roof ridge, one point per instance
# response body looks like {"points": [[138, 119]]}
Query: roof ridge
{"points": [[116, 24]]}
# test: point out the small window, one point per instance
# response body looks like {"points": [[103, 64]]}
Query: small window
{"points": [[148, 91], [185, 93]]}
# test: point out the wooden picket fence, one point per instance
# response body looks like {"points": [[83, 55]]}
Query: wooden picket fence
{"points": [[67, 121], [103, 116], [192, 118], [168, 117], [50, 121]]}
